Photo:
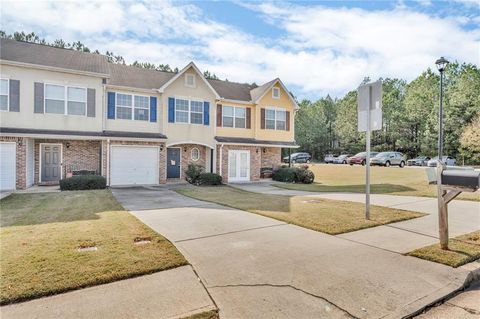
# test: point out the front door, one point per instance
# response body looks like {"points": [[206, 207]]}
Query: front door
{"points": [[51, 162], [173, 163], [238, 166]]}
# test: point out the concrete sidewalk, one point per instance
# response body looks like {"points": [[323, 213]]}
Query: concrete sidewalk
{"points": [[257, 267], [175, 293], [401, 237]]}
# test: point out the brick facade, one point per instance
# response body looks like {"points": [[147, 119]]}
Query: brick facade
{"points": [[186, 157], [255, 160], [21, 158], [271, 157]]}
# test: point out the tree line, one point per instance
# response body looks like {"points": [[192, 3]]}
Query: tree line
{"points": [[79, 46], [410, 118]]}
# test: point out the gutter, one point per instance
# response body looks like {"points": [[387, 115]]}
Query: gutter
{"points": [[221, 160]]}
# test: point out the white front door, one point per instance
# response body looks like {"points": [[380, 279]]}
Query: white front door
{"points": [[238, 166]]}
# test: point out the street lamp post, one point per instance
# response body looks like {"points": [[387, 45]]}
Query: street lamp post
{"points": [[442, 209]]}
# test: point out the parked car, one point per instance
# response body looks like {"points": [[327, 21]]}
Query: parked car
{"points": [[448, 160], [360, 158], [388, 158], [329, 158], [341, 159], [298, 158], [418, 161]]}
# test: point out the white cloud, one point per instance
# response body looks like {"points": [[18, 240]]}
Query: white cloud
{"points": [[322, 50]]}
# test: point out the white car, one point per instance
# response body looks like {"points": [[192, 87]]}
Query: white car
{"points": [[448, 160]]}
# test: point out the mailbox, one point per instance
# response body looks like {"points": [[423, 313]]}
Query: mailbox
{"points": [[461, 178]]}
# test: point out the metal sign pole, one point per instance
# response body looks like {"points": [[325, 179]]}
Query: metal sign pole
{"points": [[367, 159]]}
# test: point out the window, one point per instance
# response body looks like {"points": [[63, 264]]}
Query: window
{"points": [[67, 100], [275, 119], [233, 116], [195, 154], [76, 101], [133, 107], [190, 80], [188, 111], [276, 93], [181, 110], [4, 95]]}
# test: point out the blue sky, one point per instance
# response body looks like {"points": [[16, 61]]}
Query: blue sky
{"points": [[316, 48]]}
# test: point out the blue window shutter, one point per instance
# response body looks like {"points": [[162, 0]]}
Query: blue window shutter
{"points": [[171, 110], [111, 106], [153, 109], [206, 113]]}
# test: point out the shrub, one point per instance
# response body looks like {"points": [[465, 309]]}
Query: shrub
{"points": [[81, 182], [210, 179], [193, 173], [293, 175]]}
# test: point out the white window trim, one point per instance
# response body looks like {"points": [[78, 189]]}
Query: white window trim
{"points": [[132, 107], [189, 111], [235, 116], [273, 92], [8, 94], [276, 109], [191, 154], [65, 98], [192, 76]]}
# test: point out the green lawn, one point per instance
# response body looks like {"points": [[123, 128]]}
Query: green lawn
{"points": [[328, 216], [384, 180], [462, 249], [40, 235]]}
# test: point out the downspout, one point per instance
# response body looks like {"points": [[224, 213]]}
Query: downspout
{"points": [[103, 105], [221, 159], [108, 162]]}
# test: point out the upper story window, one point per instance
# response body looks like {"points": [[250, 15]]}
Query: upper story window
{"points": [[132, 107], [68, 100], [188, 111], [4, 95], [276, 93], [233, 117], [190, 80], [276, 119]]}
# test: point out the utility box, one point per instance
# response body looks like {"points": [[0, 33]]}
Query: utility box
{"points": [[461, 178]]}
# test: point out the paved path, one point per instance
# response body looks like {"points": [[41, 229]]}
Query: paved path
{"points": [[401, 237], [258, 267], [175, 293]]}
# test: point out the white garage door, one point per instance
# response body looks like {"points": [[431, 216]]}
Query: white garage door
{"points": [[130, 165], [7, 166]]}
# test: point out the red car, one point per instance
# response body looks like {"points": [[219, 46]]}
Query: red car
{"points": [[360, 158]]}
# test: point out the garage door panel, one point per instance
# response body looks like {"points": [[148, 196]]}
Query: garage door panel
{"points": [[134, 165], [7, 166]]}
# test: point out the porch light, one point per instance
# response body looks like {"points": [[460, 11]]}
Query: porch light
{"points": [[67, 144]]}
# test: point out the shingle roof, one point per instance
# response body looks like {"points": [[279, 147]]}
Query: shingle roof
{"points": [[45, 55], [258, 92], [232, 90], [16, 130], [132, 76]]}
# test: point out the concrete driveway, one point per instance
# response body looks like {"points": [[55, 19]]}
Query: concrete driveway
{"points": [[257, 267]]}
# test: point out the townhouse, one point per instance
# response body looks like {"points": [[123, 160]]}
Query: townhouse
{"points": [[63, 112]]}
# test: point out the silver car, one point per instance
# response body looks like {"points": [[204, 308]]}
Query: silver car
{"points": [[341, 159], [388, 158], [448, 160]]}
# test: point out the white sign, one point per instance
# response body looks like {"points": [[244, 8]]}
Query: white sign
{"points": [[369, 96]]}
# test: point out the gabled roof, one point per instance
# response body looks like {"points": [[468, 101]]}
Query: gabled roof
{"points": [[232, 90], [176, 76], [259, 93], [44, 55], [135, 77]]}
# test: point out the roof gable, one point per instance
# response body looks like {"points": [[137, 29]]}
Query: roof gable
{"points": [[259, 93]]}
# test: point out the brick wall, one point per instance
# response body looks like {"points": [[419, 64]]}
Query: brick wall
{"points": [[76, 155], [255, 160], [271, 157], [186, 157], [162, 158], [21, 157]]}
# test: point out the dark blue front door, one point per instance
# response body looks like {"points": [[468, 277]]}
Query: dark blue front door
{"points": [[173, 163]]}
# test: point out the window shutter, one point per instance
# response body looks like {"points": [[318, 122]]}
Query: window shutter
{"points": [[287, 121], [111, 106], [38, 93], [219, 114], [14, 96], [153, 109], [91, 102], [206, 113], [262, 118], [171, 110], [248, 118]]}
